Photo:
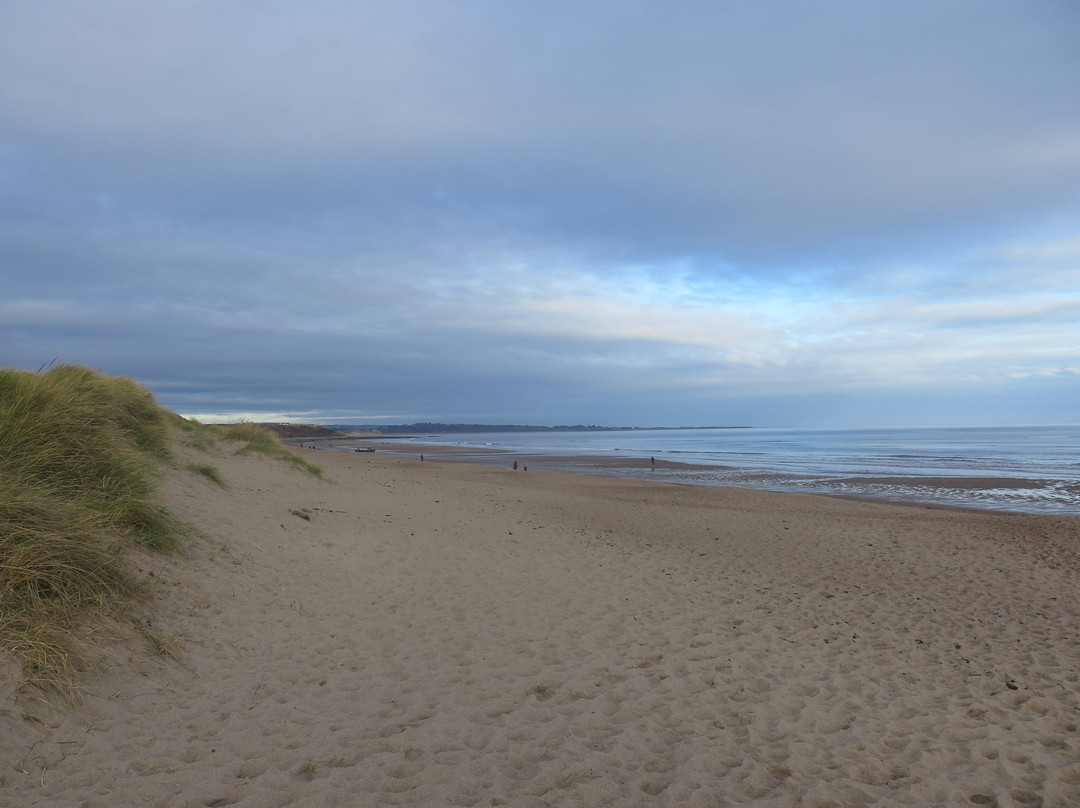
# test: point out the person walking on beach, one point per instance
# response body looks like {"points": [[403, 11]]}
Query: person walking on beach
{"points": [[515, 465]]}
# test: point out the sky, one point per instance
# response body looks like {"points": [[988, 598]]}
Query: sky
{"points": [[769, 213]]}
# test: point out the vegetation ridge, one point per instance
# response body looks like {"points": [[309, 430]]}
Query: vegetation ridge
{"points": [[80, 460]]}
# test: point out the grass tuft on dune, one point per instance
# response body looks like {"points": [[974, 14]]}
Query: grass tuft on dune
{"points": [[79, 454], [80, 457], [255, 439], [261, 440]]}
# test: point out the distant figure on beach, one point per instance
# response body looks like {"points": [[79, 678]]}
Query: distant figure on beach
{"points": [[421, 457], [525, 468], [652, 461], [515, 465]]}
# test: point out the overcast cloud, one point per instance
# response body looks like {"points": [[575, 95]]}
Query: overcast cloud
{"points": [[774, 213]]}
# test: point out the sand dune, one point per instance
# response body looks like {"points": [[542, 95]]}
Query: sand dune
{"points": [[442, 634]]}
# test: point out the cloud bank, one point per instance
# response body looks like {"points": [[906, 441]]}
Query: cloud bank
{"points": [[602, 212]]}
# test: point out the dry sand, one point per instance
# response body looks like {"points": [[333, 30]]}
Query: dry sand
{"points": [[446, 634]]}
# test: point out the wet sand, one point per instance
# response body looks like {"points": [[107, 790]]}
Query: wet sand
{"points": [[969, 493]]}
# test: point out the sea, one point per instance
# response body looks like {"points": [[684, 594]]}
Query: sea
{"points": [[1032, 469]]}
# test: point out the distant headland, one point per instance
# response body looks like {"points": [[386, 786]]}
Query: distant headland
{"points": [[428, 428]]}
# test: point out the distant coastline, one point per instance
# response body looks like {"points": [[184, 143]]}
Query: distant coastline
{"points": [[442, 429]]}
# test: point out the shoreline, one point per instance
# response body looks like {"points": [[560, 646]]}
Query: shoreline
{"points": [[954, 493], [450, 634]]}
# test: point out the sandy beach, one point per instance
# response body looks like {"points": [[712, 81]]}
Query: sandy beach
{"points": [[446, 634]]}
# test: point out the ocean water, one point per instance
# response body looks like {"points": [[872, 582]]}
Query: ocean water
{"points": [[1024, 469]]}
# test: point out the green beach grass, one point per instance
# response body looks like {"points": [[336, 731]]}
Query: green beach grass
{"points": [[80, 457], [261, 440]]}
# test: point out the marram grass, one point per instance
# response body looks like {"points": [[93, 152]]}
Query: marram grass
{"points": [[254, 437], [59, 565], [209, 472], [80, 454], [261, 440]]}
